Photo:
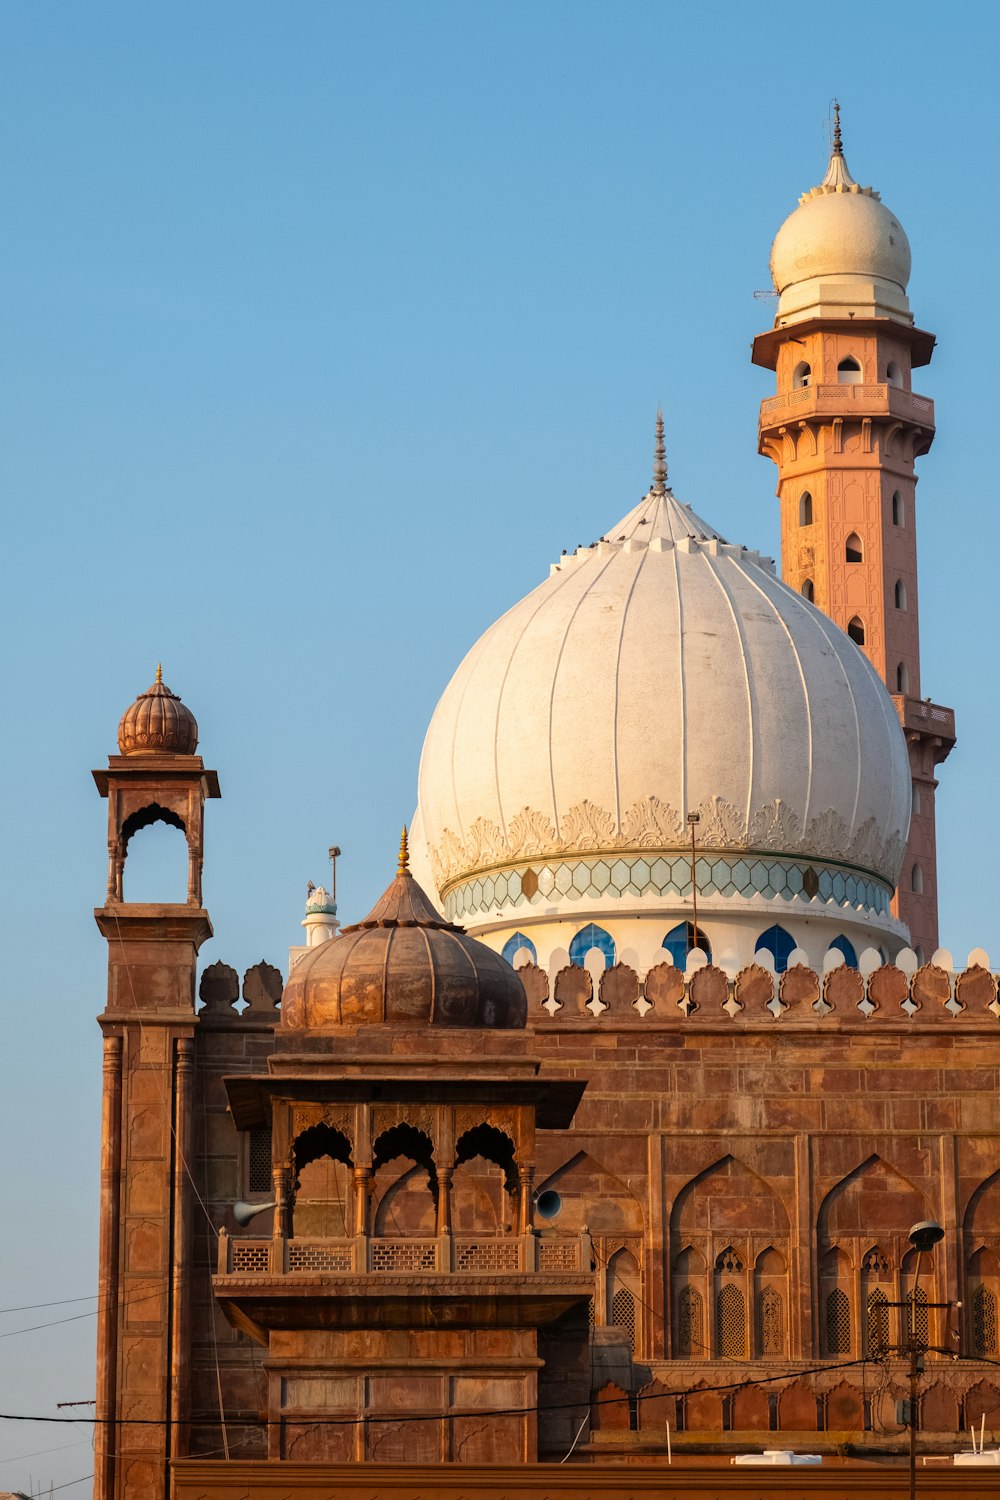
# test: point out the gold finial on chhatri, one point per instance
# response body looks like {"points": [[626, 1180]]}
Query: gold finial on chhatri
{"points": [[659, 457], [838, 143], [159, 671], [404, 854]]}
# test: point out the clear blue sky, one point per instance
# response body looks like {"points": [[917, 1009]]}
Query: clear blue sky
{"points": [[325, 327]]}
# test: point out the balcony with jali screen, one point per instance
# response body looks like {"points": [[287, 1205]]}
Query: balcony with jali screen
{"points": [[855, 401], [376, 1281]]}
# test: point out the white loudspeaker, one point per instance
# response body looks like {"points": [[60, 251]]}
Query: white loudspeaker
{"points": [[244, 1212]]}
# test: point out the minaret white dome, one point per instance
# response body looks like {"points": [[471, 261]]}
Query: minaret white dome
{"points": [[841, 252], [662, 670]]}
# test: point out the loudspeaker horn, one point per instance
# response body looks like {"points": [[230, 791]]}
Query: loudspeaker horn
{"points": [[244, 1212], [548, 1204]]}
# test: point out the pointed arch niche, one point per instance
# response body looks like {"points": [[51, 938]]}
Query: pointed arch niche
{"points": [[981, 1252], [729, 1246], [859, 1274], [593, 1198]]}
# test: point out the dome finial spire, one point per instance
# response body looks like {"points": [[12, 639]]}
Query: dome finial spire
{"points": [[404, 853], [659, 457], [159, 671], [838, 142]]}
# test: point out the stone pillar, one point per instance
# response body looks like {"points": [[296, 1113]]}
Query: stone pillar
{"points": [[444, 1178], [105, 1444], [525, 1197], [180, 1320], [362, 1190]]}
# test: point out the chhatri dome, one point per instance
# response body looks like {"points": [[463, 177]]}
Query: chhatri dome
{"points": [[658, 672], [841, 250], [158, 723]]}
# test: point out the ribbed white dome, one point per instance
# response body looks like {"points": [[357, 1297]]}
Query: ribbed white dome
{"points": [[659, 671]]}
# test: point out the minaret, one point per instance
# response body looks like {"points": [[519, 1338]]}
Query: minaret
{"points": [[844, 430], [143, 1329]]}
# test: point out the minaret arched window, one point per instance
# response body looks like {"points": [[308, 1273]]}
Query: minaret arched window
{"points": [[802, 374], [899, 594], [917, 880], [898, 509], [849, 371], [854, 548], [808, 592], [902, 678], [893, 373], [856, 630], [805, 509]]}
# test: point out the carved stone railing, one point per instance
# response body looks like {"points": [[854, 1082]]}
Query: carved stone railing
{"points": [[862, 400], [445, 1254]]}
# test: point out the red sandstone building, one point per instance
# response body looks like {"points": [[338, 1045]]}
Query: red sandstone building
{"points": [[739, 1092]]}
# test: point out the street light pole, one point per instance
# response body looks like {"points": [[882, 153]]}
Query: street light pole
{"points": [[693, 820]]}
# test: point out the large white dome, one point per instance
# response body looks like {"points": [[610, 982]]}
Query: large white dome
{"points": [[659, 671]]}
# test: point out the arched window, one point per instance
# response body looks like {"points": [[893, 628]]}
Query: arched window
{"points": [[898, 509], [682, 940], [837, 1279], [589, 937], [623, 1296], [854, 548], [917, 879], [849, 371], [915, 798], [893, 373], [984, 1281], [778, 943], [514, 945], [902, 678], [808, 592], [769, 1304], [846, 947], [805, 509], [690, 1324], [802, 374], [899, 594], [856, 630], [157, 856], [730, 1322], [876, 1284]]}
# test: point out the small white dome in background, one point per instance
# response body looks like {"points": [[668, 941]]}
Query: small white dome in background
{"points": [[660, 671], [840, 249]]}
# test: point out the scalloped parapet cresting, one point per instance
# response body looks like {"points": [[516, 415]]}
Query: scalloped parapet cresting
{"points": [[220, 992], [927, 994]]}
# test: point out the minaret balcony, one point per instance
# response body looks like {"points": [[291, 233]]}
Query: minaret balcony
{"points": [[850, 401], [380, 1282]]}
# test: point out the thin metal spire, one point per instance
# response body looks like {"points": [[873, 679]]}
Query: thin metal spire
{"points": [[404, 854], [659, 457], [159, 671], [838, 142]]}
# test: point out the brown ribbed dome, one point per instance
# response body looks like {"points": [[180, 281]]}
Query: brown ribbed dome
{"points": [[403, 966], [158, 723]]}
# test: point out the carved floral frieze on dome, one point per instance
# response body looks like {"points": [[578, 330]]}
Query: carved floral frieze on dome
{"points": [[651, 824]]}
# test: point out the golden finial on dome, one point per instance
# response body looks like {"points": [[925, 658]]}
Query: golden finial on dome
{"points": [[659, 457], [159, 671], [838, 143], [404, 853]]}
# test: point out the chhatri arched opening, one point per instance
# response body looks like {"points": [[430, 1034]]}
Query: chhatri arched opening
{"points": [[801, 375], [404, 1183], [893, 374], [323, 1183], [484, 1182], [157, 858], [849, 371]]}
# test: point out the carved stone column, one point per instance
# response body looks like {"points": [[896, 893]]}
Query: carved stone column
{"points": [[362, 1193], [525, 1196], [444, 1177]]}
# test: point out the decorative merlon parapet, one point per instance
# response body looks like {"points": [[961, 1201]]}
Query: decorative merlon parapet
{"points": [[220, 992], [874, 992]]}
